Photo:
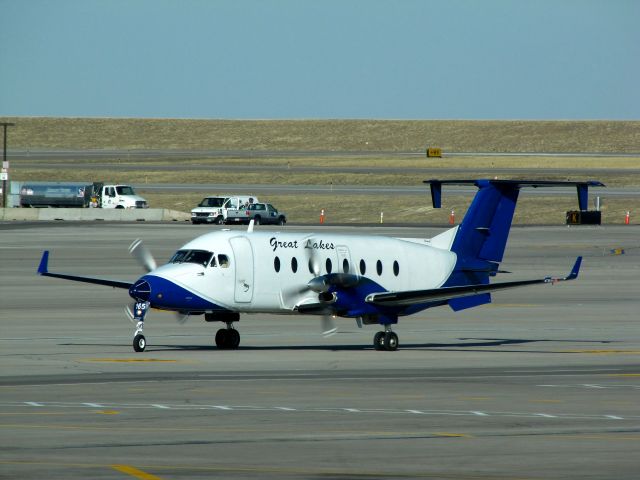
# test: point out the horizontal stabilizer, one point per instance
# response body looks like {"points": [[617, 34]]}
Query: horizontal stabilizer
{"points": [[463, 303], [582, 187]]}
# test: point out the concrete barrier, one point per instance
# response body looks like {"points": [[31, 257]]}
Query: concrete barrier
{"points": [[89, 214]]}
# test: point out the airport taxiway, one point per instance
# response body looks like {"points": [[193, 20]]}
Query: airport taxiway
{"points": [[543, 383]]}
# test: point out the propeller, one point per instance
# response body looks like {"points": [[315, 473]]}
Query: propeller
{"points": [[142, 255], [321, 284], [328, 325]]}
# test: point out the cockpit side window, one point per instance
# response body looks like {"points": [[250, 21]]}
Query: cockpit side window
{"points": [[213, 261], [223, 260]]}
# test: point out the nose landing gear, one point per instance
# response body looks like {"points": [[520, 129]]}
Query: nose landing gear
{"points": [[140, 310]]}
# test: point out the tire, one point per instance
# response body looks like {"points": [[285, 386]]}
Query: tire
{"points": [[221, 338], [119, 207], [219, 220], [234, 339], [378, 341], [256, 220], [281, 221], [390, 341], [139, 343]]}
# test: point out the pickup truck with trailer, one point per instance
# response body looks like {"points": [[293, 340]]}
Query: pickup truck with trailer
{"points": [[214, 209], [79, 195], [261, 213]]}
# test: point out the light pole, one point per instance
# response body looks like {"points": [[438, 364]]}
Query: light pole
{"points": [[5, 165]]}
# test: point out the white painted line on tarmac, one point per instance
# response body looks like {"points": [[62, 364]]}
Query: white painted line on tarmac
{"points": [[333, 410]]}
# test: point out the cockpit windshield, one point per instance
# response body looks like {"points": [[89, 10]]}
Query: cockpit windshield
{"points": [[200, 257]]}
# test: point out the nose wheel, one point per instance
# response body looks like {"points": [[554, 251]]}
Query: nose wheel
{"points": [[139, 342], [387, 340]]}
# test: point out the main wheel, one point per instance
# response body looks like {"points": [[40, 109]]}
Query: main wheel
{"points": [[221, 338], [234, 339], [378, 341], [139, 343], [390, 341]]}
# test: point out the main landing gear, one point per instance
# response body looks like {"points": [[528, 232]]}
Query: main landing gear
{"points": [[386, 340], [228, 338]]}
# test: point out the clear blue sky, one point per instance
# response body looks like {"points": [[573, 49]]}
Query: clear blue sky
{"points": [[400, 59]]}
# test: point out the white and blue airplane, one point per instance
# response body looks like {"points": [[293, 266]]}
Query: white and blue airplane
{"points": [[372, 279]]}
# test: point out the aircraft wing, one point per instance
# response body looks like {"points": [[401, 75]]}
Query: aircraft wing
{"points": [[413, 297], [43, 270]]}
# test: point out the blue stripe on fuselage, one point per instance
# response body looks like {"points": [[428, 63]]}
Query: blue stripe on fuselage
{"points": [[167, 295]]}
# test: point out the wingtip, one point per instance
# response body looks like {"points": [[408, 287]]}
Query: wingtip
{"points": [[44, 262], [575, 270]]}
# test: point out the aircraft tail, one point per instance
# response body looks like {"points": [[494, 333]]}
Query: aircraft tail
{"points": [[481, 237]]}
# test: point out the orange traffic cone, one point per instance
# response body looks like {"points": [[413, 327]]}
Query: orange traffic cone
{"points": [[322, 216], [626, 218], [452, 217]]}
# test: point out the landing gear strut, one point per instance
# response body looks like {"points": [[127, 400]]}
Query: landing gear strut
{"points": [[386, 340], [139, 312], [228, 338]]}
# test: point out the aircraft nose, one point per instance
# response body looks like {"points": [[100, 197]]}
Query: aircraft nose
{"points": [[141, 290]]}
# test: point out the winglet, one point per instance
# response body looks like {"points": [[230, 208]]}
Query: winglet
{"points": [[572, 275], [43, 268], [576, 268]]}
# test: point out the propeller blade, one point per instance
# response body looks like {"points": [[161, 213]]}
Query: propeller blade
{"points": [[182, 317], [142, 255], [128, 310], [329, 327]]}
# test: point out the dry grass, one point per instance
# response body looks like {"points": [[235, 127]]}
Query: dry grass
{"points": [[326, 135], [341, 136]]}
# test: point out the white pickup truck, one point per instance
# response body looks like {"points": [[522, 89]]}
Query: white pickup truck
{"points": [[215, 209]]}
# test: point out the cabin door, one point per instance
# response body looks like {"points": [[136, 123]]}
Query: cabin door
{"points": [[243, 261]]}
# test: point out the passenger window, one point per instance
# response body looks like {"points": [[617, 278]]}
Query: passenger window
{"points": [[276, 264], [379, 267], [213, 261], [345, 265], [223, 260], [363, 267], [294, 265], [328, 265], [396, 268]]}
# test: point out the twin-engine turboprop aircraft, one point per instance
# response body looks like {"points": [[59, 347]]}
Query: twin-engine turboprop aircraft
{"points": [[373, 279]]}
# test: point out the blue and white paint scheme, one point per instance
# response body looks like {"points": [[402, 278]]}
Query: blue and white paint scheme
{"points": [[372, 279]]}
